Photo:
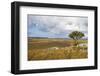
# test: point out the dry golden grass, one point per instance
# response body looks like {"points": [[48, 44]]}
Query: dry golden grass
{"points": [[42, 50], [67, 53]]}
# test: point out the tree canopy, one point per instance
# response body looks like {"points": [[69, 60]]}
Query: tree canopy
{"points": [[76, 35]]}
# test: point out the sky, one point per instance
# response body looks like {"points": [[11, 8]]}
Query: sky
{"points": [[56, 26]]}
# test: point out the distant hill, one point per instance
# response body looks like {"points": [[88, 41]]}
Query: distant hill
{"points": [[45, 38], [38, 37], [53, 38]]}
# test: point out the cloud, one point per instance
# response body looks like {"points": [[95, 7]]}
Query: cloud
{"points": [[56, 25]]}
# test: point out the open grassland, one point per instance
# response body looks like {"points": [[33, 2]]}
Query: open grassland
{"points": [[49, 49]]}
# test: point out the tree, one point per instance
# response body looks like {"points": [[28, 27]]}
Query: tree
{"points": [[76, 35]]}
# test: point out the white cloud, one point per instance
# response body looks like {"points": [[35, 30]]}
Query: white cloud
{"points": [[58, 24]]}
